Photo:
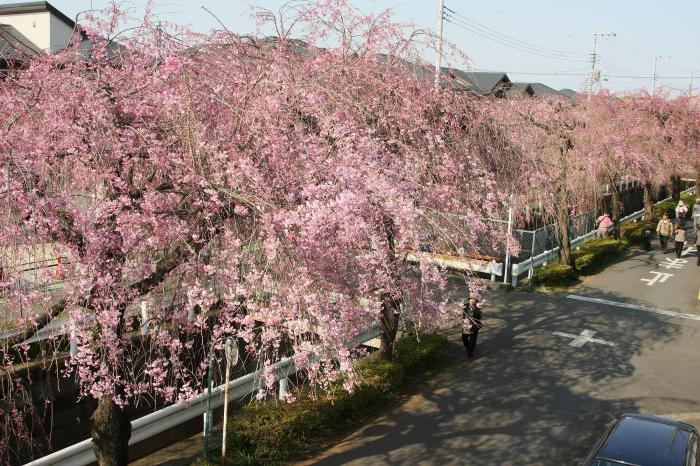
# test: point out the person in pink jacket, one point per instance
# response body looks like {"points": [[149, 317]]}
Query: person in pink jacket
{"points": [[605, 225]]}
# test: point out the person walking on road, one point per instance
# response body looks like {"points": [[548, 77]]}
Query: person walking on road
{"points": [[680, 240], [605, 224], [696, 214], [681, 212], [471, 323], [665, 229]]}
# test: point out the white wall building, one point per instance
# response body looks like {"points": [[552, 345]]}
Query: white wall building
{"points": [[40, 22]]}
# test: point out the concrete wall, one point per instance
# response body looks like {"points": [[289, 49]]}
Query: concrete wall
{"points": [[60, 34]]}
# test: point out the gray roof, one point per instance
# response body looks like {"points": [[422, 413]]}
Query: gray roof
{"points": [[523, 87], [569, 93], [481, 82], [542, 90], [34, 7], [14, 46]]}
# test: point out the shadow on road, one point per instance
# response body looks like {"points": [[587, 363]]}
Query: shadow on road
{"points": [[527, 399]]}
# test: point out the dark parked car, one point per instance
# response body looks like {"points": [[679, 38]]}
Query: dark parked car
{"points": [[637, 440]]}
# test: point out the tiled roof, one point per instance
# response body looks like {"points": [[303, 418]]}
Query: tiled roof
{"points": [[14, 46]]}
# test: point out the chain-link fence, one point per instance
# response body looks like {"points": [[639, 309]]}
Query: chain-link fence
{"points": [[535, 242]]}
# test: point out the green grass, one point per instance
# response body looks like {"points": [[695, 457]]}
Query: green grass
{"points": [[278, 433]]}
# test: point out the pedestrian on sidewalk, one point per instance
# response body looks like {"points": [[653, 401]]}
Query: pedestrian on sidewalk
{"points": [[696, 214], [471, 323], [605, 224], [680, 240], [665, 229], [681, 212], [697, 246]]}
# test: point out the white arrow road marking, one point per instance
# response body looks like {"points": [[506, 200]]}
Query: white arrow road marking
{"points": [[583, 338], [660, 277], [673, 263]]}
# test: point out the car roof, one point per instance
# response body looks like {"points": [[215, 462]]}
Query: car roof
{"points": [[648, 441]]}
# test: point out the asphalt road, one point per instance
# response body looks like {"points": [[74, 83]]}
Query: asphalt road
{"points": [[530, 397]]}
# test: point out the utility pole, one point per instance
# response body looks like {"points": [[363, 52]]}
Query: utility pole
{"points": [[690, 86], [438, 59], [594, 58], [653, 74]]}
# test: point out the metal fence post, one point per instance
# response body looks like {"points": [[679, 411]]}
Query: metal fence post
{"points": [[207, 413], [510, 233]]}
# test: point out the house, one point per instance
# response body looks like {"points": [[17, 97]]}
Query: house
{"points": [[494, 83], [542, 91], [40, 23], [15, 49]]}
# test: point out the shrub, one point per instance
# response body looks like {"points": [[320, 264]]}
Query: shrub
{"points": [[554, 275], [596, 254], [632, 232], [275, 432]]}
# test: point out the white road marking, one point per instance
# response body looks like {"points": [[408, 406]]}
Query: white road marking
{"points": [[673, 263], [583, 338], [660, 278], [679, 315], [688, 251]]}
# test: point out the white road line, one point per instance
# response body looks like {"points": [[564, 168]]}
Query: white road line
{"points": [[679, 315], [688, 251]]}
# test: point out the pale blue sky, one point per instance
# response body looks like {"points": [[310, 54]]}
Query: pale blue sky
{"points": [[644, 29]]}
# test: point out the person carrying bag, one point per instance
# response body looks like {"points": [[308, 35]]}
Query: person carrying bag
{"points": [[471, 324]]}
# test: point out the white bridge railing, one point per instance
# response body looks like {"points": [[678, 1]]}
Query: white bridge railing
{"points": [[150, 425]]}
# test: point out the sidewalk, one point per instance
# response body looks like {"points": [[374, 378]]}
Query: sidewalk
{"points": [[182, 453]]}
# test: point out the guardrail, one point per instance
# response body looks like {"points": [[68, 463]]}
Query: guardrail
{"points": [[549, 255], [463, 264], [150, 425]]}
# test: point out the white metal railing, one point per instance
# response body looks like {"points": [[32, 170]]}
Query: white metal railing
{"points": [[143, 428], [463, 264], [530, 264]]}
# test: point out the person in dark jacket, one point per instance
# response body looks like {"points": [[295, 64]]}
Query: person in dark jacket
{"points": [[471, 323]]}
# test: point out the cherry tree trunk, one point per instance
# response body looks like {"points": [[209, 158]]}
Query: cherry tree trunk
{"points": [[562, 211], [697, 179], [615, 210], [648, 202], [676, 187], [389, 326], [111, 430]]}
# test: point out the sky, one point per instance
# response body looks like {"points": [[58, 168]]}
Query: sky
{"points": [[548, 41]]}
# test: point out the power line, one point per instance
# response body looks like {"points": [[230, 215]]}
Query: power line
{"points": [[516, 42], [485, 33], [535, 73]]}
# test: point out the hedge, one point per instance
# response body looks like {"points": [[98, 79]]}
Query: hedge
{"points": [[596, 254], [554, 275], [277, 432], [589, 259]]}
